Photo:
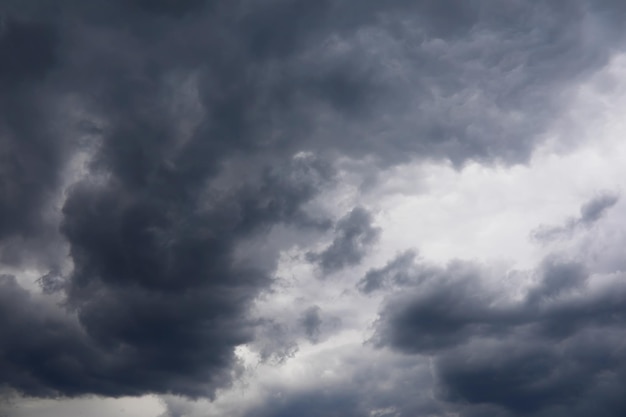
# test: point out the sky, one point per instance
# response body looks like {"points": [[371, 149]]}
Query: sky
{"points": [[279, 208]]}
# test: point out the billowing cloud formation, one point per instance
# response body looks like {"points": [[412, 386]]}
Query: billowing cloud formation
{"points": [[160, 304], [159, 301], [144, 143], [554, 352]]}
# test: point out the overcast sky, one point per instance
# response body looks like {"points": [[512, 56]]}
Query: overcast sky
{"points": [[314, 208]]}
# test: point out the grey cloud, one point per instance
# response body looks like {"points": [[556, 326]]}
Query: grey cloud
{"points": [[277, 339], [52, 282], [555, 352], [590, 213], [558, 278], [156, 302], [365, 386], [552, 353], [160, 306], [512, 66], [395, 271], [275, 342], [39, 344], [170, 7], [577, 376], [159, 301], [311, 321], [595, 208], [176, 407], [355, 235], [32, 147], [446, 308], [27, 50], [313, 404]]}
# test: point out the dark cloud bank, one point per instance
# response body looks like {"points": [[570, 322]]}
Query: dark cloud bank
{"points": [[557, 351], [208, 122]]}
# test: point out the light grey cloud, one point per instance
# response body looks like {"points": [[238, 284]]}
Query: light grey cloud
{"points": [[590, 212], [369, 384]]}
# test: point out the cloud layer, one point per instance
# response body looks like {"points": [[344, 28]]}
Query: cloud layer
{"points": [[191, 187]]}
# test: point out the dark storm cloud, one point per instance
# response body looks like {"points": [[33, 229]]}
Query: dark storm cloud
{"points": [[302, 75], [31, 154], [40, 352], [27, 50], [170, 7], [159, 302], [590, 213], [556, 352], [355, 236], [192, 113]]}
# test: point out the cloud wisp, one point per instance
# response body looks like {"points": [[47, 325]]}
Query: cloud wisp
{"points": [[590, 213]]}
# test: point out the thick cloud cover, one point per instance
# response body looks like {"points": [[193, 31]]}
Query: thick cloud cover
{"points": [[158, 300], [144, 142]]}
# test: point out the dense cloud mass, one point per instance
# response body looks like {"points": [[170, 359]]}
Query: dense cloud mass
{"points": [[550, 353], [146, 146]]}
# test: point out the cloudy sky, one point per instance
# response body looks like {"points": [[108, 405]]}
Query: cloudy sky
{"points": [[278, 208]]}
